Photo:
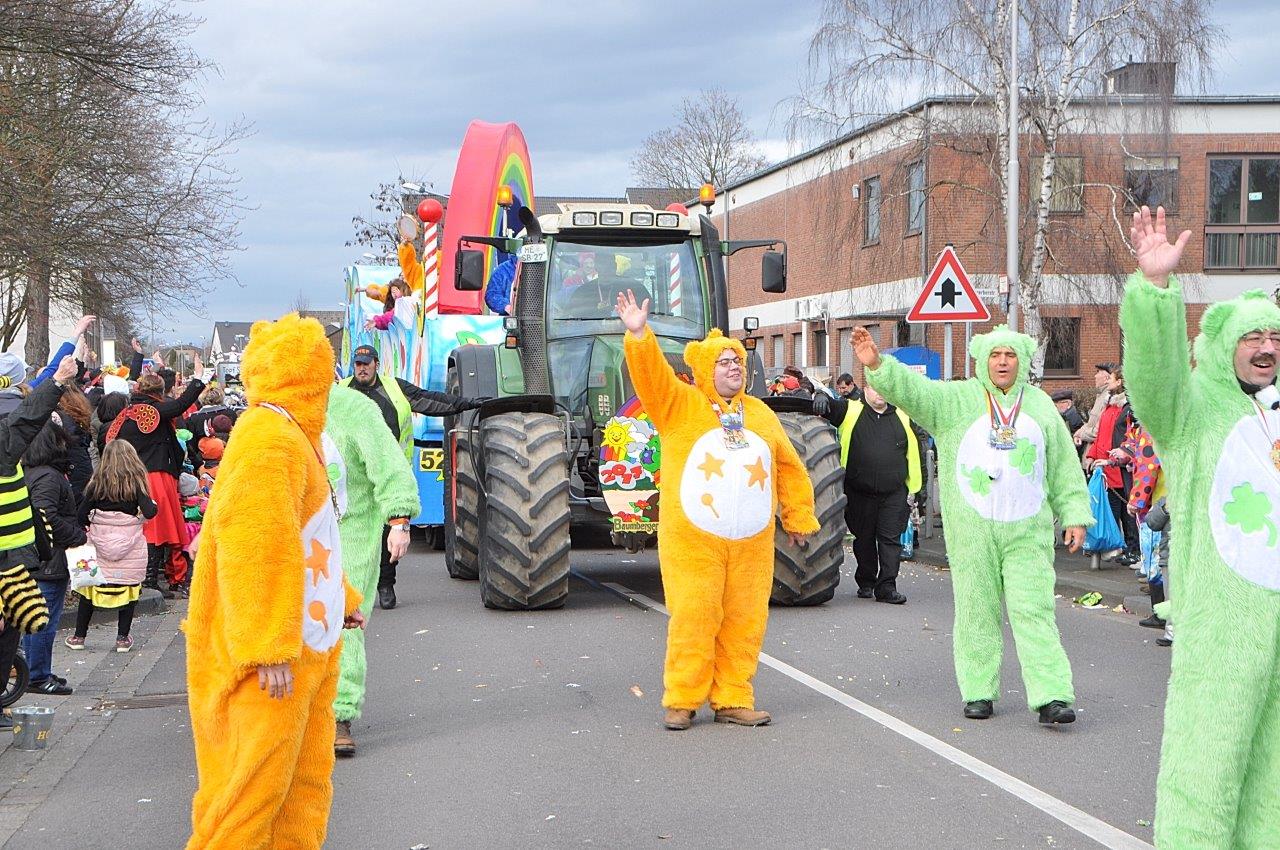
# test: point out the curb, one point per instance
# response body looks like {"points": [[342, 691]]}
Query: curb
{"points": [[150, 602]]}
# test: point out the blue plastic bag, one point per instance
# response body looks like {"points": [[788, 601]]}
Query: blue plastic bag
{"points": [[908, 542], [1105, 535]]}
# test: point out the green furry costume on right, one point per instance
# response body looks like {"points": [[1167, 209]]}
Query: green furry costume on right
{"points": [[1219, 783], [998, 508], [373, 483]]}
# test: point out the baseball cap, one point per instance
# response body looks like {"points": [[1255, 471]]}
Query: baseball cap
{"points": [[1065, 395], [1108, 366], [364, 354]]}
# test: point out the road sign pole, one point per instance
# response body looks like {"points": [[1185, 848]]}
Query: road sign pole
{"points": [[946, 351], [968, 336]]}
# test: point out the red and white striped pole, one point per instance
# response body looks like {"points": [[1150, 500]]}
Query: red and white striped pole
{"points": [[431, 277], [673, 284]]}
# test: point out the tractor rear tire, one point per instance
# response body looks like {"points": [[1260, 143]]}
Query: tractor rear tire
{"points": [[524, 529], [461, 504], [809, 576]]}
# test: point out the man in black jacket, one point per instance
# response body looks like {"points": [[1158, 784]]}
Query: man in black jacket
{"points": [[398, 399], [881, 456]]}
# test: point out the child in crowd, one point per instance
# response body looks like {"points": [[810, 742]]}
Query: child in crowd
{"points": [[116, 504]]}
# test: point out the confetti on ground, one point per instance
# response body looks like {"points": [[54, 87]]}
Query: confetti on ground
{"points": [[635, 689]]}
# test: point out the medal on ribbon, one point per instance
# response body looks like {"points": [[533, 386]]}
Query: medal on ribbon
{"points": [[1266, 428], [731, 424], [1004, 428]]}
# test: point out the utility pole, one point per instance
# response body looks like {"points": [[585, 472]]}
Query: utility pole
{"points": [[1011, 225]]}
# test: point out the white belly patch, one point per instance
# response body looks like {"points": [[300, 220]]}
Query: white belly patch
{"points": [[728, 492], [1244, 503], [1002, 485]]}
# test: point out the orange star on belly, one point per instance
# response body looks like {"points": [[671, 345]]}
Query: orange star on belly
{"points": [[318, 561], [759, 474], [712, 466]]}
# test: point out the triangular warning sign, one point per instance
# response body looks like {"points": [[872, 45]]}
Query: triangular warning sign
{"points": [[948, 296]]}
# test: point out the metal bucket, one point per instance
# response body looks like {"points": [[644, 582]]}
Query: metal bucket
{"points": [[31, 725]]}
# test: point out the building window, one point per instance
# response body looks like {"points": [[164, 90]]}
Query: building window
{"points": [[1062, 347], [915, 197], [1066, 186], [871, 207], [845, 354], [777, 352], [1152, 181], [797, 350], [819, 348], [1243, 224]]}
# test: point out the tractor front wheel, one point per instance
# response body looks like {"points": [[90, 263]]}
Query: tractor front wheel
{"points": [[809, 575]]}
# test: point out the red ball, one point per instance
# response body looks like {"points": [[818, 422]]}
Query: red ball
{"points": [[430, 210], [678, 208]]}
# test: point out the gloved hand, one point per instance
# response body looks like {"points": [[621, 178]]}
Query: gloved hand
{"points": [[473, 403], [821, 403]]}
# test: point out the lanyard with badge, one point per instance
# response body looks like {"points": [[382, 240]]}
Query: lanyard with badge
{"points": [[732, 425], [1266, 428], [1004, 427], [333, 496]]}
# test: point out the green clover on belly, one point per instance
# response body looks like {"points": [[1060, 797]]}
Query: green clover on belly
{"points": [[1023, 456], [979, 480], [1251, 511]]}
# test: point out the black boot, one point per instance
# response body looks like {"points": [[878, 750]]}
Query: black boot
{"points": [[1157, 596], [978, 709], [155, 563], [1057, 712]]}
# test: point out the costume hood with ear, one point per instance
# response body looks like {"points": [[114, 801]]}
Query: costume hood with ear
{"points": [[1223, 325], [981, 346], [1218, 767], [289, 363], [702, 356]]}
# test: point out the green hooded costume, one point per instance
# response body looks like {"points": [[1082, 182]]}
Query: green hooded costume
{"points": [[998, 507], [373, 483], [1219, 783]]}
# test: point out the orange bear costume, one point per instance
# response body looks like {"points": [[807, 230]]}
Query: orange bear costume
{"points": [[715, 536], [269, 589]]}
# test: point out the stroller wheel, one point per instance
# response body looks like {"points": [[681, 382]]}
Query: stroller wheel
{"points": [[16, 684]]}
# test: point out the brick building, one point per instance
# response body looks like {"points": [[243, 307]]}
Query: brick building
{"points": [[864, 217]]}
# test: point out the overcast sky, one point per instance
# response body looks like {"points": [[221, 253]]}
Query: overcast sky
{"points": [[344, 95]]}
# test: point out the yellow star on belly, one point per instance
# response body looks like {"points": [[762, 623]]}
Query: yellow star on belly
{"points": [[759, 474], [712, 466], [318, 561]]}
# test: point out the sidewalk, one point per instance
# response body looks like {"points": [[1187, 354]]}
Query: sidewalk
{"points": [[1117, 584], [150, 602]]}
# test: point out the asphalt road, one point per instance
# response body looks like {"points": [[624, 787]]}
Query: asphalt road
{"points": [[489, 729]]}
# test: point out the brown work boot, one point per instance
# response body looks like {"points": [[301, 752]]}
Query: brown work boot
{"points": [[343, 744], [743, 716], [678, 719]]}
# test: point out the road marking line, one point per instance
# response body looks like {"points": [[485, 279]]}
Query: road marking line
{"points": [[1082, 822]]}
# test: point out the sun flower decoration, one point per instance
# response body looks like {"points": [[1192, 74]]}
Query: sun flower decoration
{"points": [[616, 437]]}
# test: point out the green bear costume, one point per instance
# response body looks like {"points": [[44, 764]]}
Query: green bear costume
{"points": [[373, 483], [1219, 782], [998, 507]]}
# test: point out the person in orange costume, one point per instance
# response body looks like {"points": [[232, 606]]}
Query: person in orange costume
{"points": [[726, 466], [268, 606]]}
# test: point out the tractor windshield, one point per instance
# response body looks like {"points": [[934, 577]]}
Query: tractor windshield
{"points": [[584, 281]]}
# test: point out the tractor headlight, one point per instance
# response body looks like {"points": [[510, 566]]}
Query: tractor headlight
{"points": [[668, 220], [642, 219], [610, 219], [584, 219]]}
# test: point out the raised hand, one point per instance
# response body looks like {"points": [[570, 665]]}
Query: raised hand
{"points": [[864, 348], [634, 316], [197, 367], [1157, 257], [137, 346], [83, 325], [67, 369]]}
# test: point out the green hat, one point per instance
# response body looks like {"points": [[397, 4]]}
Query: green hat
{"points": [[981, 346], [1222, 327]]}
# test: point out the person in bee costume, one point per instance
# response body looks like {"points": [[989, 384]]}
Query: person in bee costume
{"points": [[727, 467], [268, 606]]}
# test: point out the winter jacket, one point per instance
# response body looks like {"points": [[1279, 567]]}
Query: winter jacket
{"points": [[1111, 429], [147, 423], [52, 495], [81, 464], [122, 550]]}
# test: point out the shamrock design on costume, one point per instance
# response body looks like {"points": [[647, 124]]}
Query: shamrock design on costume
{"points": [[979, 480], [1023, 456], [334, 473], [1251, 511]]}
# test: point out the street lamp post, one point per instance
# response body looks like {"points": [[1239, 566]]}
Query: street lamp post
{"points": [[1011, 225]]}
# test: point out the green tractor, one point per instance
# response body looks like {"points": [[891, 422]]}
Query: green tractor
{"points": [[563, 441]]}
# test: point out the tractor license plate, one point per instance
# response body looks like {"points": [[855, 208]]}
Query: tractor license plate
{"points": [[432, 460], [533, 253]]}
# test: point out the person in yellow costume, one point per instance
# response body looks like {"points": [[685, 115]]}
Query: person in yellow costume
{"points": [[727, 465], [268, 606]]}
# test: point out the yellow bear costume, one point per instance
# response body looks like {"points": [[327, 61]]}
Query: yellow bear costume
{"points": [[715, 537], [269, 589]]}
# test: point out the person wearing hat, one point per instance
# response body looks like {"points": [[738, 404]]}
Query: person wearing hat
{"points": [[398, 400], [1105, 382], [1065, 401]]}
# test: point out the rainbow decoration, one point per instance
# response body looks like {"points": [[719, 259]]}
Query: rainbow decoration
{"points": [[492, 155]]}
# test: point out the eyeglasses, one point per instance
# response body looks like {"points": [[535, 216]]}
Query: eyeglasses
{"points": [[730, 361], [1255, 340]]}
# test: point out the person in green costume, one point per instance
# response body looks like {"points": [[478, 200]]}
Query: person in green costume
{"points": [[1006, 468], [1217, 428], [373, 484]]}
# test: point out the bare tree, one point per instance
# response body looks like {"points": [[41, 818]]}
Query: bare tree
{"points": [[377, 229], [111, 190], [870, 57], [710, 143], [301, 302]]}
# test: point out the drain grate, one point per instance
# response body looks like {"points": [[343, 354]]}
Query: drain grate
{"points": [[148, 701]]}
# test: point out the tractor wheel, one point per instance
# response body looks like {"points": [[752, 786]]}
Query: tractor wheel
{"points": [[524, 539], [461, 503], [809, 576]]}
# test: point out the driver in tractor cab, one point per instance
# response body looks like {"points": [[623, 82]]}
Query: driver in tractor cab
{"points": [[398, 400]]}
